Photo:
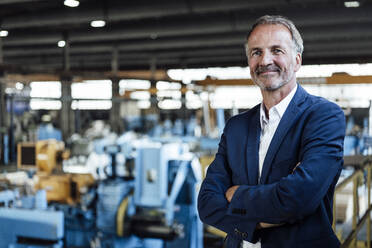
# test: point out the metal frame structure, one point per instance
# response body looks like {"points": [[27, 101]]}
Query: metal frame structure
{"points": [[362, 174]]}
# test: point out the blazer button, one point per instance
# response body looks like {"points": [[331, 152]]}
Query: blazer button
{"points": [[236, 231], [244, 235]]}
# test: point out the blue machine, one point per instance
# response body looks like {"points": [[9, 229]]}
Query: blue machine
{"points": [[165, 190], [29, 228], [158, 207], [79, 225], [47, 131]]}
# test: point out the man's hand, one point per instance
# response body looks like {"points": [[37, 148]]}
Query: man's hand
{"points": [[230, 192]]}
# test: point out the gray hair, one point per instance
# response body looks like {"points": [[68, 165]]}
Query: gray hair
{"points": [[281, 20]]}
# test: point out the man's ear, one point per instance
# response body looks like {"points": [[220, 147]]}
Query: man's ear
{"points": [[298, 62]]}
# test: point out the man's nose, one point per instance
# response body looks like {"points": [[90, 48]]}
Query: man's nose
{"points": [[266, 58]]}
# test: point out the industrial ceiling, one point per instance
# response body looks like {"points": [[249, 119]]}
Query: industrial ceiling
{"points": [[164, 34]]}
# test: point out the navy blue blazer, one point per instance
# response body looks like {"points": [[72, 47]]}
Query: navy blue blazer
{"points": [[311, 132]]}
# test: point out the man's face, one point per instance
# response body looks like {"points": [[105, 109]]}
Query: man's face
{"points": [[272, 59]]}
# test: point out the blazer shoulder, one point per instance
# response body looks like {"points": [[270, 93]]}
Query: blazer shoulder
{"points": [[318, 103]]}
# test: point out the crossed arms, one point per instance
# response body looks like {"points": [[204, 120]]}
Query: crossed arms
{"points": [[286, 201], [230, 193]]}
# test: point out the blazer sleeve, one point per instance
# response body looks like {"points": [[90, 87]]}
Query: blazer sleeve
{"points": [[299, 194], [212, 204]]}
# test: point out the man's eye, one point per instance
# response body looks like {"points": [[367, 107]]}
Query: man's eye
{"points": [[277, 51], [256, 53]]}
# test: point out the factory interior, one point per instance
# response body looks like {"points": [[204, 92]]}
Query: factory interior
{"points": [[111, 112]]}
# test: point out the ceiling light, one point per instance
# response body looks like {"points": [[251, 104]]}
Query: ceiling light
{"points": [[98, 23], [61, 43], [71, 3], [352, 4], [3, 33]]}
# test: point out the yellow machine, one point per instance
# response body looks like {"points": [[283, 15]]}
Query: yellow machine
{"points": [[64, 188], [49, 154], [43, 156], [46, 157]]}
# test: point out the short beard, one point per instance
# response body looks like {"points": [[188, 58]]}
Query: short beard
{"points": [[271, 88]]}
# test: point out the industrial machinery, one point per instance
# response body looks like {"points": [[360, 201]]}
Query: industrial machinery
{"points": [[63, 187], [42, 156], [25, 223], [158, 207], [45, 158], [151, 205], [89, 156]]}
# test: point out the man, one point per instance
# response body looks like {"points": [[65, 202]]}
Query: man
{"points": [[273, 178]]}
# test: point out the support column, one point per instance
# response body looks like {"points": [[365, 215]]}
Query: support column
{"points": [[115, 120], [77, 121], [206, 117], [153, 95], [115, 60], [183, 102], [154, 109], [1, 51], [67, 116], [12, 144], [66, 53], [370, 119], [3, 111], [66, 112], [3, 121]]}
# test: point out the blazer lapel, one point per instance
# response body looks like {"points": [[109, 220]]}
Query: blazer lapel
{"points": [[252, 148], [290, 115]]}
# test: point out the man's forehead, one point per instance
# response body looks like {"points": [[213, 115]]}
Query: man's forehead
{"points": [[269, 32], [275, 27]]}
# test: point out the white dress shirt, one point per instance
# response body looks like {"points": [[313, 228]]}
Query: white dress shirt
{"points": [[269, 125]]}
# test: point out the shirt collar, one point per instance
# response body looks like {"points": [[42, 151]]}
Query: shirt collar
{"points": [[278, 109]]}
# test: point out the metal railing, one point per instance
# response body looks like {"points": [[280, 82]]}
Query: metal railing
{"points": [[361, 175]]}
